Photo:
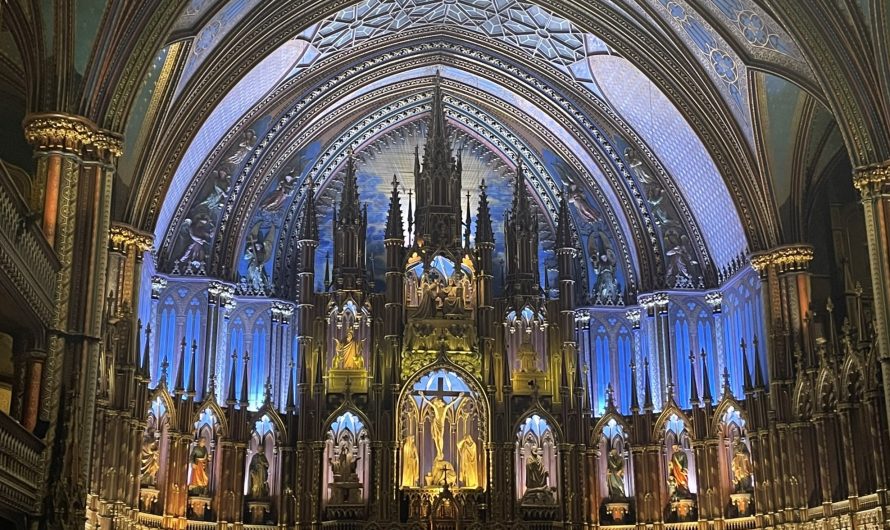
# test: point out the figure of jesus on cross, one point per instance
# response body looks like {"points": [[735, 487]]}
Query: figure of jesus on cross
{"points": [[440, 413]]}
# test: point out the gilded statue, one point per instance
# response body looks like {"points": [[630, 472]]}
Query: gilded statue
{"points": [[741, 468], [199, 482], [410, 463], [679, 472], [469, 466], [437, 422], [616, 475], [453, 303], [349, 353], [150, 460], [258, 475]]}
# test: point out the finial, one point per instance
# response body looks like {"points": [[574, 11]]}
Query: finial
{"points": [[164, 366], [727, 389], [610, 397]]}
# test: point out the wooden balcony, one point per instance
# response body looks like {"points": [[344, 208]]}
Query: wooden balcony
{"points": [[21, 467], [28, 265]]}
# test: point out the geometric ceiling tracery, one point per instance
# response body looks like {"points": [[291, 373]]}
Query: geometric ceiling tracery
{"points": [[521, 82]]}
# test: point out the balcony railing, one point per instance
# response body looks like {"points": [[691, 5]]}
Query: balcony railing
{"points": [[27, 261], [21, 466]]}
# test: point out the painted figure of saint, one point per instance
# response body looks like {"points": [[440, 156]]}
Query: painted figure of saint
{"points": [[410, 463], [616, 475], [741, 467], [199, 481], [679, 471], [469, 467], [437, 422], [150, 461], [349, 352], [258, 476]]}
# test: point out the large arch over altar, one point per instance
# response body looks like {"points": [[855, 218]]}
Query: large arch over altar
{"points": [[442, 430]]}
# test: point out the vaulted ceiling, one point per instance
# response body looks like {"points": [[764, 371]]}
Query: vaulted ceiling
{"points": [[685, 133]]}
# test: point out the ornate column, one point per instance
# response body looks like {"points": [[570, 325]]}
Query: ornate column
{"points": [[75, 168], [873, 183]]}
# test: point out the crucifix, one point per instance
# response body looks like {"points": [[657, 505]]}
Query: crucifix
{"points": [[440, 411]]}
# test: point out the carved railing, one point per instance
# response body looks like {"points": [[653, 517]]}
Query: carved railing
{"points": [[21, 466], [27, 261]]}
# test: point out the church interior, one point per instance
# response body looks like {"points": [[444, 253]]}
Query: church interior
{"points": [[444, 264]]}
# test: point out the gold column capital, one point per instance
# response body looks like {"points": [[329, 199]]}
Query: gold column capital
{"points": [[871, 178], [122, 236], [786, 258], [70, 133]]}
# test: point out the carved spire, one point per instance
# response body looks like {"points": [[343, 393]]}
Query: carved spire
{"points": [[267, 391], [438, 183], [468, 223], [146, 354], [610, 398], [230, 399], [309, 222], [179, 386], [634, 397], [727, 389], [394, 229], [350, 231], [647, 382], [291, 402], [693, 384], [747, 373], [705, 379], [245, 382], [758, 367], [521, 227], [563, 225], [192, 371], [484, 232]]}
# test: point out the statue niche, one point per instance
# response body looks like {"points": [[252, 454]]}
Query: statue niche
{"points": [[346, 464], [526, 343], [347, 349], [262, 471], [442, 426], [537, 463]]}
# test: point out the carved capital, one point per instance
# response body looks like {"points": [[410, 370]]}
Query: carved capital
{"points": [[870, 180], [73, 134], [122, 237], [785, 258]]}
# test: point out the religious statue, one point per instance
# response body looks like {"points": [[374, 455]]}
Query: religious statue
{"points": [[741, 467], [410, 463], [605, 263], [199, 481], [345, 464], [442, 473], [679, 472], [469, 467], [150, 460], [527, 356], [258, 475], [536, 477], [437, 422], [616, 475], [454, 297], [349, 353], [431, 295]]}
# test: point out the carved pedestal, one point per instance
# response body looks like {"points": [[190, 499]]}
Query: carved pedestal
{"points": [[346, 493], [683, 508], [742, 502], [199, 506], [337, 378], [147, 499], [258, 511], [618, 510], [539, 504]]}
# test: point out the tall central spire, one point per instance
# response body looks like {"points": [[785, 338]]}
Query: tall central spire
{"points": [[438, 210]]}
